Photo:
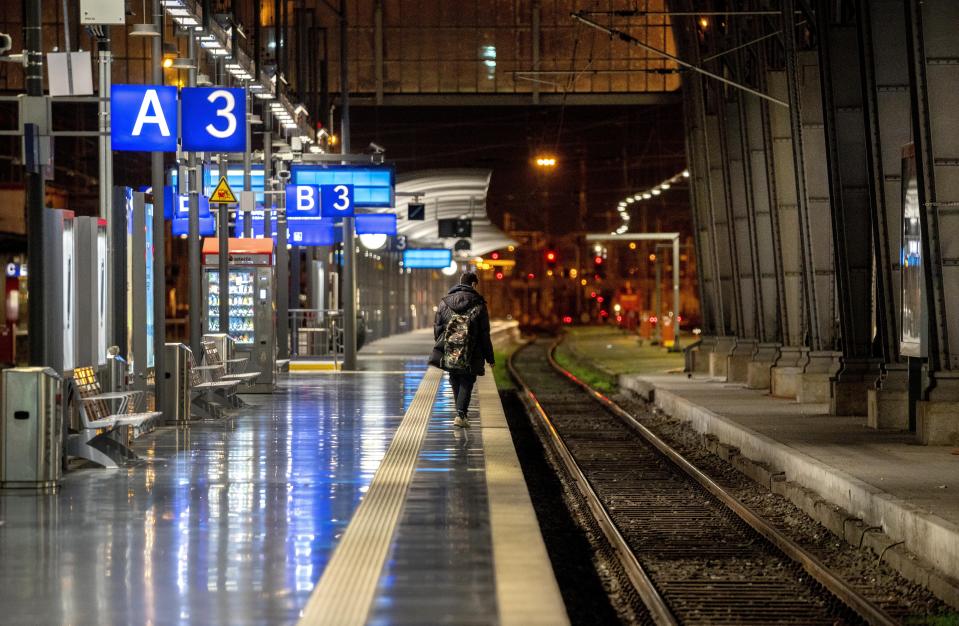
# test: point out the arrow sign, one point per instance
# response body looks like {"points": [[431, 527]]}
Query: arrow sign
{"points": [[223, 194]]}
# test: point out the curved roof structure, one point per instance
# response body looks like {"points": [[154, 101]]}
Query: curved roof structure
{"points": [[448, 193]]}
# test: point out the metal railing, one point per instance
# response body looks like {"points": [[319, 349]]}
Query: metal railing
{"points": [[316, 334]]}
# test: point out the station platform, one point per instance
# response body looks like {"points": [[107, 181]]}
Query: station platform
{"points": [[892, 492], [339, 499]]}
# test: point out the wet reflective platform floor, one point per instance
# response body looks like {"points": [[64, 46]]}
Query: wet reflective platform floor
{"points": [[235, 522], [224, 523]]}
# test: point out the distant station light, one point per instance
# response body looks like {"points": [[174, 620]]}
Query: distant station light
{"points": [[546, 161]]}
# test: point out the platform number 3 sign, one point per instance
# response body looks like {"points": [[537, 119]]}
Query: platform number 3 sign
{"points": [[337, 200]]}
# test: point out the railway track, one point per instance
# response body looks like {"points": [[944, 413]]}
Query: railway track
{"points": [[694, 554]]}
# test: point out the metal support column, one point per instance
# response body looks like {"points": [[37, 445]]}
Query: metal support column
{"points": [[378, 48], [349, 244], [223, 258], [795, 117], [159, 231], [194, 187], [33, 175], [848, 157], [282, 281]]}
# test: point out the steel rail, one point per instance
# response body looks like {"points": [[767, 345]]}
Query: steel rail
{"points": [[658, 609], [816, 568]]}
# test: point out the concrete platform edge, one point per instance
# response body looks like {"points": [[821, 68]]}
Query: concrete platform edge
{"points": [[925, 534], [526, 587]]}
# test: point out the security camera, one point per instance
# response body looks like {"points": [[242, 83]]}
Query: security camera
{"points": [[283, 175], [6, 42], [377, 148]]}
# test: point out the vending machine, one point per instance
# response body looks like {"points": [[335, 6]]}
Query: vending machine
{"points": [[90, 239], [252, 321]]}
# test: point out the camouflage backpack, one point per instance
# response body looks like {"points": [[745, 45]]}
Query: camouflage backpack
{"points": [[458, 348]]}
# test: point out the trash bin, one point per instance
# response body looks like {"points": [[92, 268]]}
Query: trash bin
{"points": [[176, 385], [31, 429]]}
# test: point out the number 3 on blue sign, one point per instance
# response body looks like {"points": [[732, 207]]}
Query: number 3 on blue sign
{"points": [[211, 120], [337, 200]]}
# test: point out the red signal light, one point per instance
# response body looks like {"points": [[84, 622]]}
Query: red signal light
{"points": [[592, 294], [494, 256], [600, 299], [499, 275], [531, 276], [598, 260], [567, 319], [550, 256]]}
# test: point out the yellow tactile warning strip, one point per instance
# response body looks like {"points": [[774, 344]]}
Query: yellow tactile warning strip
{"points": [[526, 588], [344, 594]]}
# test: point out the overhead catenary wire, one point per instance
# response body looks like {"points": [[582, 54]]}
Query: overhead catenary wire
{"points": [[626, 37]]}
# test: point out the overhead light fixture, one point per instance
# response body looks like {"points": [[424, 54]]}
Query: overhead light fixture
{"points": [[183, 63], [186, 21], [655, 192], [144, 30], [263, 95]]}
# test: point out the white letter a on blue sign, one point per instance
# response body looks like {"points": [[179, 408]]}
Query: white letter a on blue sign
{"points": [[151, 102]]}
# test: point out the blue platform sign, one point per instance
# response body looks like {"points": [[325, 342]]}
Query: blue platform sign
{"points": [[372, 184], [337, 200], [311, 232], [427, 258], [376, 224], [176, 206], [302, 201], [180, 226], [214, 119], [143, 118]]}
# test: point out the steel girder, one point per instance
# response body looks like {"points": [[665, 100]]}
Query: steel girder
{"points": [[934, 64], [848, 158], [787, 212], [888, 118], [768, 264], [739, 219], [719, 222]]}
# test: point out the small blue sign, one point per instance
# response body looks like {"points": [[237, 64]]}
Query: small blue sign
{"points": [[143, 118], [177, 206], [311, 232], [214, 119], [302, 201], [180, 226], [337, 200], [427, 258], [377, 224]]}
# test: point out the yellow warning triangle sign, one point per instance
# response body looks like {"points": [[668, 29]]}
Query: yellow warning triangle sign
{"points": [[223, 194]]}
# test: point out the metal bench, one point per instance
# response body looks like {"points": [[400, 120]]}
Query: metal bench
{"points": [[95, 440], [220, 371], [205, 391]]}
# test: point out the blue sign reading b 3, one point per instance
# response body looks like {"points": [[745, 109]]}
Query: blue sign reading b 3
{"points": [[216, 119]]}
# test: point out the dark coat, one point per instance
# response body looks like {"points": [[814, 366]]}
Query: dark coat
{"points": [[462, 298]]}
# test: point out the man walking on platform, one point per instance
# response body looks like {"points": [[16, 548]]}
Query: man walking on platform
{"points": [[462, 333]]}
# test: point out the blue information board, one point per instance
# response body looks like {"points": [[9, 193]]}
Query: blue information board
{"points": [[376, 224], [372, 184], [427, 258], [143, 118], [214, 119]]}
